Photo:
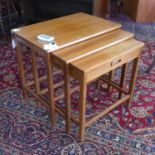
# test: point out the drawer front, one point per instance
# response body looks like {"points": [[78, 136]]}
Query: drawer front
{"points": [[112, 64]]}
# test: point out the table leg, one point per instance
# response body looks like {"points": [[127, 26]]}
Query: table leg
{"points": [[51, 88], [35, 72], [67, 99], [21, 67], [111, 76], [133, 78], [82, 104], [122, 81]]}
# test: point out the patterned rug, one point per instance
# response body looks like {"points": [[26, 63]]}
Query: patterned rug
{"points": [[25, 125]]}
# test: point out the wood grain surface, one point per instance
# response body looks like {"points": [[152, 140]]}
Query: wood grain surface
{"points": [[67, 30], [92, 45]]}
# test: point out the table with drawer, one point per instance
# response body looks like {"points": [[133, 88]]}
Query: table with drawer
{"points": [[96, 66], [78, 36]]}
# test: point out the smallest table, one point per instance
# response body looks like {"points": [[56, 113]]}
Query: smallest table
{"points": [[94, 66]]}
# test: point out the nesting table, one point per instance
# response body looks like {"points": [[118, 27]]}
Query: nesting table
{"points": [[87, 48]]}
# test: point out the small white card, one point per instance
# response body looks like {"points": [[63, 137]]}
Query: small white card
{"points": [[50, 46], [13, 44]]}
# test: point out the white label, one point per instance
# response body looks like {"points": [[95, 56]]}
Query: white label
{"points": [[13, 44], [50, 47]]}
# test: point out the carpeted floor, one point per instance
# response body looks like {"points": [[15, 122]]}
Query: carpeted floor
{"points": [[25, 125]]}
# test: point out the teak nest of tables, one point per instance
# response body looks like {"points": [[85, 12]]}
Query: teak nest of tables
{"points": [[88, 48]]}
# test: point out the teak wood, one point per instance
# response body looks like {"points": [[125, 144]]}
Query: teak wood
{"points": [[78, 36], [69, 54], [94, 66], [92, 45], [67, 30], [91, 35]]}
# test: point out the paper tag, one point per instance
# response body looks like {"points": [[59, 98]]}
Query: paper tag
{"points": [[13, 44], [50, 46]]}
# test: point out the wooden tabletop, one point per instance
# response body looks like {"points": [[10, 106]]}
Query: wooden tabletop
{"points": [[100, 58], [67, 30], [92, 45]]}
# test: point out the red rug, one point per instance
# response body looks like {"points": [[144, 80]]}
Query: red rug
{"points": [[138, 120], [141, 114]]}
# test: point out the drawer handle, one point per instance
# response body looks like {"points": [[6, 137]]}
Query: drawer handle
{"points": [[115, 62]]}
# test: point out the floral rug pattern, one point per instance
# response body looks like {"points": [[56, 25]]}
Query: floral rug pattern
{"points": [[25, 129], [25, 125]]}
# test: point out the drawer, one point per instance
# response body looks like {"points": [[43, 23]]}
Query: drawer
{"points": [[108, 59], [112, 64]]}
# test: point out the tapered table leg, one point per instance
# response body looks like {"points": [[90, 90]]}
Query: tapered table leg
{"points": [[67, 98], [111, 76], [35, 72], [82, 103], [51, 88], [21, 67], [122, 81], [133, 78]]}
